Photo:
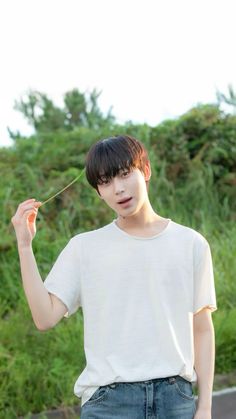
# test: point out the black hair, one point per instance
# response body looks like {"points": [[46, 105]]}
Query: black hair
{"points": [[107, 157]]}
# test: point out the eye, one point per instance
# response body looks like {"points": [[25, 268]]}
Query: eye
{"points": [[125, 173], [105, 181]]}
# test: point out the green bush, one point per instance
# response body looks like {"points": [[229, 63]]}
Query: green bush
{"points": [[193, 182]]}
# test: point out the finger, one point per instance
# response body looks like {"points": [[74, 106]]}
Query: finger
{"points": [[18, 217], [28, 213], [38, 203], [32, 203], [27, 201], [24, 204], [26, 207], [32, 217]]}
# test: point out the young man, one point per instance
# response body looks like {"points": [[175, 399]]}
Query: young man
{"points": [[146, 287]]}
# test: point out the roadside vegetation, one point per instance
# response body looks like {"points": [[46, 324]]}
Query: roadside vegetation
{"points": [[193, 182]]}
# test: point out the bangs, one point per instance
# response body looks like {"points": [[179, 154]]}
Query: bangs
{"points": [[108, 157]]}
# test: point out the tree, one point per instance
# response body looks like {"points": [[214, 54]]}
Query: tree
{"points": [[40, 111], [230, 100], [78, 110]]}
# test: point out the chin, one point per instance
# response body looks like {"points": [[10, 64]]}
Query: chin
{"points": [[127, 214]]}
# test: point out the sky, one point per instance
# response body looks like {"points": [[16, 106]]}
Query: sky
{"points": [[152, 60]]}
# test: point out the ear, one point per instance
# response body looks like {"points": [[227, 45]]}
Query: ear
{"points": [[148, 171]]}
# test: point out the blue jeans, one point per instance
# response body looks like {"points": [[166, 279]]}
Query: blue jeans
{"points": [[159, 398]]}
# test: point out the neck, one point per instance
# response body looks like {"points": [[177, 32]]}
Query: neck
{"points": [[144, 218]]}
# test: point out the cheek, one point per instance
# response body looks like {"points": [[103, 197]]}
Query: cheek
{"points": [[137, 184], [105, 194]]}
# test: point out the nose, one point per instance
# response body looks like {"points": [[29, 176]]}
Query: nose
{"points": [[118, 185]]}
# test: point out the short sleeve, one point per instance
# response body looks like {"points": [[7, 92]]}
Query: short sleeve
{"points": [[64, 278], [204, 294]]}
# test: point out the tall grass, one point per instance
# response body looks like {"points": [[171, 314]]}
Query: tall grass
{"points": [[38, 369]]}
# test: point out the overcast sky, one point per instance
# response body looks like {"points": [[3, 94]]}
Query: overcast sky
{"points": [[152, 59]]}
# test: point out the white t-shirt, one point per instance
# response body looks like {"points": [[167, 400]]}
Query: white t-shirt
{"points": [[138, 296]]}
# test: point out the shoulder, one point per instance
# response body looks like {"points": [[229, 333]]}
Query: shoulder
{"points": [[189, 234], [92, 235]]}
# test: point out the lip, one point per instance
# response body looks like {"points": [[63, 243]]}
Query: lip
{"points": [[125, 201]]}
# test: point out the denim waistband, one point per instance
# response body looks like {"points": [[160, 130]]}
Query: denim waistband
{"points": [[171, 380]]}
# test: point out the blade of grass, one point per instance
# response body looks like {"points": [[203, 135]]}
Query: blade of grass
{"points": [[62, 190]]}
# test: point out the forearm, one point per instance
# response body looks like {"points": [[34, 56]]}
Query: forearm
{"points": [[37, 296], [204, 349]]}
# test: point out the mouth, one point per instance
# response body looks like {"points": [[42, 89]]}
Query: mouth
{"points": [[124, 201]]}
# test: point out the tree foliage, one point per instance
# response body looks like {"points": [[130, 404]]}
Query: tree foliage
{"points": [[230, 99], [79, 110]]}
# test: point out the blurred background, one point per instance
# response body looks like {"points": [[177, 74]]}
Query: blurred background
{"points": [[73, 72]]}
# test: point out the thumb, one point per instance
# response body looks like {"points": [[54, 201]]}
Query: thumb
{"points": [[31, 215]]}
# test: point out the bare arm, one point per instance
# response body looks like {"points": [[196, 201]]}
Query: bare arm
{"points": [[204, 349], [46, 308]]}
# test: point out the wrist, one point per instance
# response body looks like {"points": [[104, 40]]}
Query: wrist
{"points": [[205, 407], [22, 247], [205, 401]]}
